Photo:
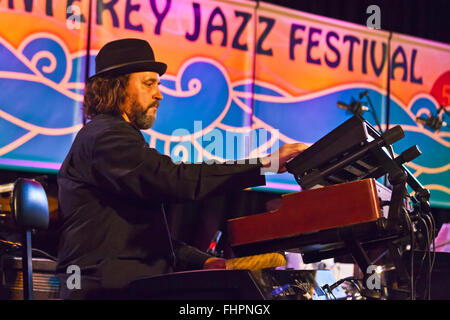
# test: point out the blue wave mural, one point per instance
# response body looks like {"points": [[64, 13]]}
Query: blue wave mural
{"points": [[204, 116]]}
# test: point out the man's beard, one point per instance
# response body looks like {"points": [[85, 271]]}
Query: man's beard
{"points": [[139, 116]]}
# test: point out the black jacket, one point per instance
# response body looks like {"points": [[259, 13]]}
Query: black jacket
{"points": [[111, 190]]}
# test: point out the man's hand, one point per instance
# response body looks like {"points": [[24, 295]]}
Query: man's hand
{"points": [[214, 263], [276, 161]]}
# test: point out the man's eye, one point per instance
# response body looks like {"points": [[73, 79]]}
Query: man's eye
{"points": [[150, 84]]}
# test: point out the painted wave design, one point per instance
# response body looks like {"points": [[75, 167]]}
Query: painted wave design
{"points": [[40, 112], [201, 94], [309, 117], [321, 113], [42, 91]]}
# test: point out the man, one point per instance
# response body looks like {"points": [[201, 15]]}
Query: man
{"points": [[112, 186]]}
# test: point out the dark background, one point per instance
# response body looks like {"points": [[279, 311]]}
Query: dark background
{"points": [[196, 222], [427, 19]]}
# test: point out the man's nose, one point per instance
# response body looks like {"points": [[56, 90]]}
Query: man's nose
{"points": [[158, 94]]}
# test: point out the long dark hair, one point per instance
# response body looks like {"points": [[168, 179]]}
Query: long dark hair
{"points": [[104, 95]]}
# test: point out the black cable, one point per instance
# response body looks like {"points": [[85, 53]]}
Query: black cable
{"points": [[372, 109], [431, 266], [411, 276], [433, 234], [330, 292], [174, 257], [88, 50], [426, 253], [427, 231], [326, 289], [352, 280], [388, 87], [45, 254]]}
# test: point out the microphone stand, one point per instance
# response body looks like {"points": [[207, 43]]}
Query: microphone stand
{"points": [[372, 109], [366, 94]]}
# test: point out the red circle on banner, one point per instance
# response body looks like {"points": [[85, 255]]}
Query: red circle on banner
{"points": [[441, 89]]}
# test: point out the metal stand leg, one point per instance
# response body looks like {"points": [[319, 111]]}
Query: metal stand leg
{"points": [[27, 267], [358, 254]]}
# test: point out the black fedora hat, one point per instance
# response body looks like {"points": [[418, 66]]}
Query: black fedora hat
{"points": [[126, 56]]}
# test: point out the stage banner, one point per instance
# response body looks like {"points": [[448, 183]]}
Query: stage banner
{"points": [[306, 64], [420, 86], [42, 66], [243, 78], [208, 47]]}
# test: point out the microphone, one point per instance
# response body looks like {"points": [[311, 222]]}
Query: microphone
{"points": [[363, 94], [433, 122], [212, 246], [355, 107], [408, 155]]}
